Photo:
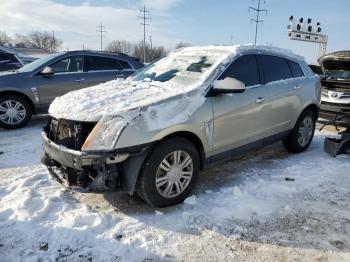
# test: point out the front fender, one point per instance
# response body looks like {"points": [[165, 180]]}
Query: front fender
{"points": [[147, 128]]}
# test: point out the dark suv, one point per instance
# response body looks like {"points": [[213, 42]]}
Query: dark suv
{"points": [[9, 61], [32, 88]]}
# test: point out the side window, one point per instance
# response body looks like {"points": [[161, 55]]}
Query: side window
{"points": [[98, 63], [4, 58], [125, 65], [7, 58], [69, 64], [244, 69], [295, 67], [275, 68]]}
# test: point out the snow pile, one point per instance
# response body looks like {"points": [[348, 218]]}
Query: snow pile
{"points": [[249, 199]]}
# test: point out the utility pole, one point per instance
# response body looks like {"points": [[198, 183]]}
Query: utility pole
{"points": [[144, 19], [101, 31], [150, 40], [257, 21]]}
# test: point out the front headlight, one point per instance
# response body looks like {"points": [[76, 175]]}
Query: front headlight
{"points": [[105, 134]]}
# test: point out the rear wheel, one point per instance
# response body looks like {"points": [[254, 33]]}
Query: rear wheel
{"points": [[302, 133], [169, 173], [15, 111]]}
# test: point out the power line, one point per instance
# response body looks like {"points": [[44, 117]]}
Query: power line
{"points": [[144, 16], [101, 31], [257, 21]]}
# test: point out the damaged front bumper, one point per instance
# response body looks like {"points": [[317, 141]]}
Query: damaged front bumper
{"points": [[94, 171], [78, 159]]}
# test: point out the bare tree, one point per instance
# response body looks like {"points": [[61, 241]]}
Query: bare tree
{"points": [[181, 45], [21, 41], [120, 46], [45, 40], [36, 39], [4, 38], [152, 54]]}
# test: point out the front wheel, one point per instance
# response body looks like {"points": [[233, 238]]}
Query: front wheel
{"points": [[15, 111], [302, 133], [169, 173]]}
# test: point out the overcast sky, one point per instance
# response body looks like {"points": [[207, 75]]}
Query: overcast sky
{"points": [[199, 22]]}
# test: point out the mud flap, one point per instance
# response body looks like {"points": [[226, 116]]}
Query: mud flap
{"points": [[336, 146]]}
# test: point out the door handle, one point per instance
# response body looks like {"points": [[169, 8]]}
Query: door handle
{"points": [[259, 100], [119, 75], [297, 87], [80, 80]]}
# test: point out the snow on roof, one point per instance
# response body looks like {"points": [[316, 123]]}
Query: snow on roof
{"points": [[244, 48]]}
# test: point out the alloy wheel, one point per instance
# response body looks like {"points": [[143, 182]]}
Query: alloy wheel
{"points": [[174, 174], [12, 112], [305, 131]]}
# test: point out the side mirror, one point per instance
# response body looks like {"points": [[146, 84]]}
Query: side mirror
{"points": [[227, 86], [47, 71]]}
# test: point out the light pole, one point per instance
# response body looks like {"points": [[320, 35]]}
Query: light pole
{"points": [[308, 33]]}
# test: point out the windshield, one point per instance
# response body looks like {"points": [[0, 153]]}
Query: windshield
{"points": [[181, 69], [338, 75], [37, 63]]}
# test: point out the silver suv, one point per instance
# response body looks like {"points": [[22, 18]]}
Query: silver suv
{"points": [[153, 132]]}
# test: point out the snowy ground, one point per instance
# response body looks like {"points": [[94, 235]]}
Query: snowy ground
{"points": [[241, 210]]}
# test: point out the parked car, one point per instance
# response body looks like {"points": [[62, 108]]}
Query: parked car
{"points": [[335, 99], [32, 88], [155, 131], [9, 61]]}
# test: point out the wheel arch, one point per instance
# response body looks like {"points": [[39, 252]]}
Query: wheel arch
{"points": [[314, 108], [24, 96], [194, 139]]}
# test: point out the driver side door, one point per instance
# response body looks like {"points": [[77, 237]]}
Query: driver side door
{"points": [[68, 76], [239, 118]]}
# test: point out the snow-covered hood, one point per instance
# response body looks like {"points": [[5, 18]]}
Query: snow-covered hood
{"points": [[111, 99], [119, 96]]}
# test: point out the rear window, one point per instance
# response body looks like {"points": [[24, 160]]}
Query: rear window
{"points": [[295, 67], [98, 63], [275, 68]]}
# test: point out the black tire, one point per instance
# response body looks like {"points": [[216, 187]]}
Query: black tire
{"points": [[146, 185], [292, 142], [26, 116]]}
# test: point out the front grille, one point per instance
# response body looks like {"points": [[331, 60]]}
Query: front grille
{"points": [[341, 94], [69, 133]]}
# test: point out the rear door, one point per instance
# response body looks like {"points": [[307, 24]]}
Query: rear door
{"points": [[101, 69], [283, 98], [239, 118], [68, 76]]}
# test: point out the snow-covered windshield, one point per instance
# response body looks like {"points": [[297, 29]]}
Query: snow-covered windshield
{"points": [[37, 63], [180, 68]]}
